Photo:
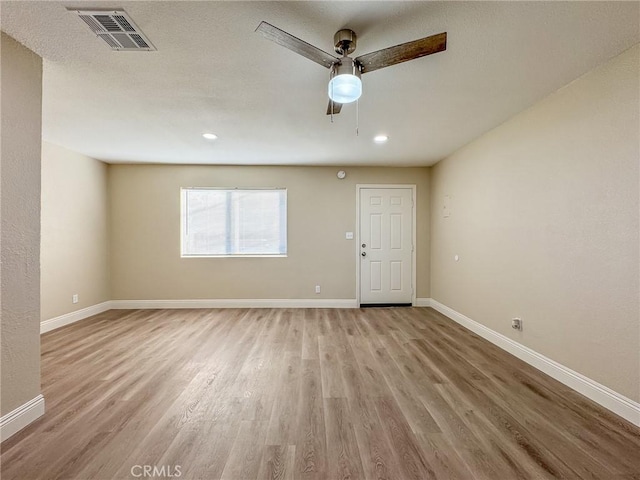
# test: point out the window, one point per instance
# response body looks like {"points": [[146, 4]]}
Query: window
{"points": [[225, 222]]}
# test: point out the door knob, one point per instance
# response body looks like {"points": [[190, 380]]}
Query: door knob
{"points": [[364, 254]]}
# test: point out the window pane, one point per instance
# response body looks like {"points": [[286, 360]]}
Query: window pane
{"points": [[234, 222], [258, 222]]}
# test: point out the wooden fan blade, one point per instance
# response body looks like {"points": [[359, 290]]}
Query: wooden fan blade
{"points": [[296, 45], [336, 107], [402, 53]]}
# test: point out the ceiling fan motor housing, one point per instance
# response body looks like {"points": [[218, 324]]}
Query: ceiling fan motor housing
{"points": [[347, 66], [344, 41]]}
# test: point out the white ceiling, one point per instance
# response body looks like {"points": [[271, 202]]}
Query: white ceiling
{"points": [[212, 73]]}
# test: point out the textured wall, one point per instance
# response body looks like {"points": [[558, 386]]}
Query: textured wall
{"points": [[544, 218], [74, 247], [145, 233], [21, 96]]}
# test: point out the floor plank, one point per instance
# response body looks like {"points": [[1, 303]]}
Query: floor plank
{"points": [[343, 456], [311, 447]]}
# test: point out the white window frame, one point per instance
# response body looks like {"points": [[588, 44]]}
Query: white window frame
{"points": [[183, 213]]}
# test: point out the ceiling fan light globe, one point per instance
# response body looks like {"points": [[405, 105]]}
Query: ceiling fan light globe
{"points": [[345, 88]]}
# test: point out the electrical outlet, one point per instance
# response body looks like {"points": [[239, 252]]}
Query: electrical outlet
{"points": [[317, 288], [516, 324], [74, 298]]}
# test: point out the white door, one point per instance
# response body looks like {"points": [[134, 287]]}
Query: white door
{"points": [[386, 243]]}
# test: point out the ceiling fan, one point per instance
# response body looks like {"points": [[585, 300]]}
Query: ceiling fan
{"points": [[345, 85]]}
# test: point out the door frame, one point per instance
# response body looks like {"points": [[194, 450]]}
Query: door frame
{"points": [[362, 186]]}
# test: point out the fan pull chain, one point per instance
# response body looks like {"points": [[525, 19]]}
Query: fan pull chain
{"points": [[331, 98], [357, 117]]}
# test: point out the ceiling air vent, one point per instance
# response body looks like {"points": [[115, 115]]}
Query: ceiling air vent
{"points": [[116, 28]]}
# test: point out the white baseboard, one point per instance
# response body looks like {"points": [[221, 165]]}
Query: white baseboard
{"points": [[22, 416], [609, 399], [67, 318], [236, 303], [423, 302]]}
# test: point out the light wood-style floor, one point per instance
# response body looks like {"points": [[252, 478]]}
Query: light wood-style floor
{"points": [[305, 394]]}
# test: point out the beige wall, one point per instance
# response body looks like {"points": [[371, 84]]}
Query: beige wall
{"points": [[145, 233], [544, 217], [21, 112], [74, 248]]}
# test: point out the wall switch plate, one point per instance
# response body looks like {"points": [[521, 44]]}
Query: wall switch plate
{"points": [[348, 235], [74, 298], [516, 324], [317, 288], [446, 206]]}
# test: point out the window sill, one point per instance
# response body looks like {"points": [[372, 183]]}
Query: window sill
{"points": [[236, 256]]}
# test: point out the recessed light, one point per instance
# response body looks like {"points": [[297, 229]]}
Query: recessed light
{"points": [[210, 136], [380, 138]]}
